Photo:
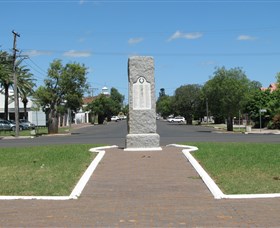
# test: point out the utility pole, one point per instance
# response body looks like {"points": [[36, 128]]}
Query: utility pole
{"points": [[15, 83], [261, 111], [239, 119], [207, 111], [92, 90]]}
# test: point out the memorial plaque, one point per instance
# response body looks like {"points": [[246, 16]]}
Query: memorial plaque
{"points": [[141, 94]]}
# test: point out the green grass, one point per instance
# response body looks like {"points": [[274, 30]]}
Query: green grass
{"points": [[39, 131], [61, 130], [12, 133], [43, 170], [241, 168]]}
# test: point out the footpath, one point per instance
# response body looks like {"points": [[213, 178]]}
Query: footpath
{"points": [[142, 189], [264, 131]]}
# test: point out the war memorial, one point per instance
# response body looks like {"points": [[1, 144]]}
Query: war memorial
{"points": [[142, 105]]}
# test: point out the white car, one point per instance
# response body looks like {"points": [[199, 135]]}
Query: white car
{"points": [[115, 118], [122, 117], [177, 119]]}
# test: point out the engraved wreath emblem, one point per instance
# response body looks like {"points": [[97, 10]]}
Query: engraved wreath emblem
{"points": [[141, 80]]}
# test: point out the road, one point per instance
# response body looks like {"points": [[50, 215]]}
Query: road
{"points": [[114, 133], [176, 133]]}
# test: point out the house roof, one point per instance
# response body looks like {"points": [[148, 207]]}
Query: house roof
{"points": [[272, 87], [87, 100]]}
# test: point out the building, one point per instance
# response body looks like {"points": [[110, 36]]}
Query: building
{"points": [[272, 87], [85, 116], [34, 114], [105, 91]]}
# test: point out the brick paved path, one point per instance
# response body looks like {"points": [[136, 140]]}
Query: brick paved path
{"points": [[143, 189]]}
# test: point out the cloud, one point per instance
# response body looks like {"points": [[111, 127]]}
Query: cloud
{"points": [[135, 40], [78, 54], [188, 36], [33, 53], [81, 2], [246, 37], [208, 63]]}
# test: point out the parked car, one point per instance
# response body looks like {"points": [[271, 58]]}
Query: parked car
{"points": [[6, 125], [177, 119], [122, 117], [27, 124], [115, 118], [13, 125]]}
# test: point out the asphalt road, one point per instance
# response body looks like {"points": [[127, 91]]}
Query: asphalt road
{"points": [[114, 133]]}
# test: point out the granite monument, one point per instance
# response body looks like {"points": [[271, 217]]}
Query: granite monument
{"points": [[142, 133]]}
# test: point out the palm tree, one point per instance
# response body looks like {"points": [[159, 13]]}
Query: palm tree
{"points": [[25, 86], [24, 78], [6, 80]]}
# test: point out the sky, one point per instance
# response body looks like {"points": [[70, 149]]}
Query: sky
{"points": [[188, 39]]}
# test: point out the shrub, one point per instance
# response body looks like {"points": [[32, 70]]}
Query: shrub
{"points": [[270, 125], [276, 121]]}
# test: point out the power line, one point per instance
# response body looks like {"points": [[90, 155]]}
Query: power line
{"points": [[41, 69], [36, 71], [105, 32], [192, 54], [173, 54], [140, 1]]}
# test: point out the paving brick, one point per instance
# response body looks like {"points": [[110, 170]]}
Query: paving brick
{"points": [[143, 189]]}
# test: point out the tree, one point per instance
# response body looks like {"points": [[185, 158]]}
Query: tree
{"points": [[260, 100], [24, 77], [227, 93], [73, 85], [268, 100], [25, 84], [275, 122], [162, 93], [254, 85], [64, 86], [107, 106], [187, 99], [6, 79], [101, 107], [164, 106], [125, 109], [117, 101], [278, 78]]}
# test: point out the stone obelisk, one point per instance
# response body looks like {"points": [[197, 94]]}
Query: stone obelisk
{"points": [[142, 105]]}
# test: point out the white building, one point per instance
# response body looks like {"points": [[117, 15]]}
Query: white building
{"points": [[34, 114], [105, 91], [85, 117]]}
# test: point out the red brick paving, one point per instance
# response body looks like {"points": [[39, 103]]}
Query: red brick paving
{"points": [[143, 189]]}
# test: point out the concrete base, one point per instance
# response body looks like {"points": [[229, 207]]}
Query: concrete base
{"points": [[143, 149], [135, 142]]}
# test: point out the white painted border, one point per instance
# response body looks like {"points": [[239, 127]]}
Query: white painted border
{"points": [[80, 185], [214, 189]]}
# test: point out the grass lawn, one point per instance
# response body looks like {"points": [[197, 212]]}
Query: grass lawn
{"points": [[43, 170], [241, 168], [39, 131]]}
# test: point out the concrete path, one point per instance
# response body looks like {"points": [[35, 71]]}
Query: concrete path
{"points": [[143, 189]]}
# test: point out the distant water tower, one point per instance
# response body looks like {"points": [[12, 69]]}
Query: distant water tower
{"points": [[105, 91]]}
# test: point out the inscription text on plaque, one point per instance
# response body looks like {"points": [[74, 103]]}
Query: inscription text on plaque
{"points": [[142, 94]]}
